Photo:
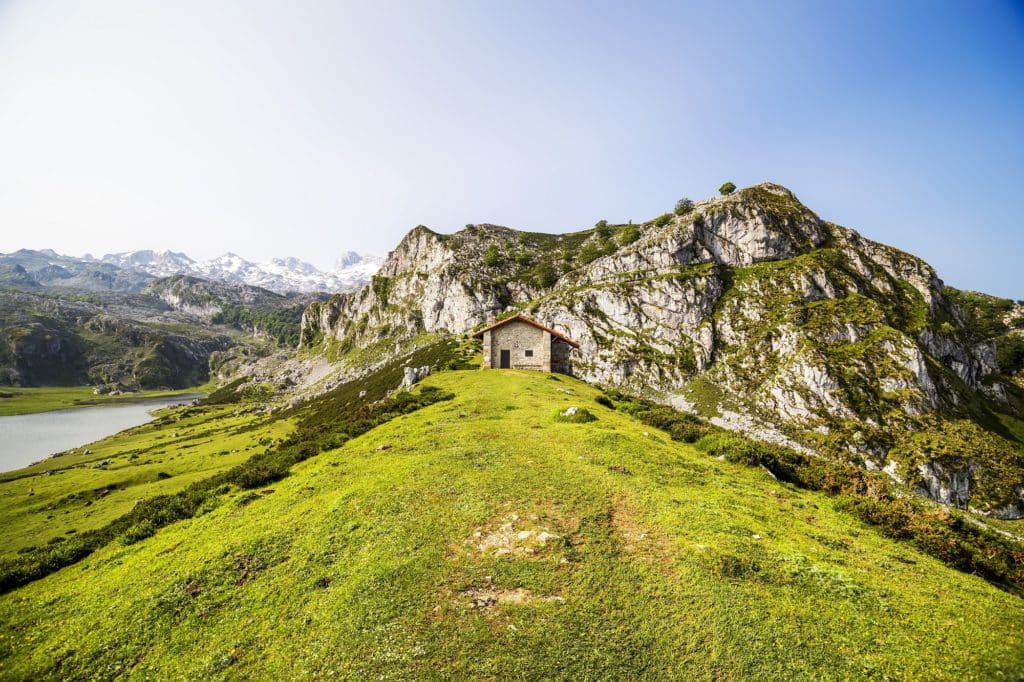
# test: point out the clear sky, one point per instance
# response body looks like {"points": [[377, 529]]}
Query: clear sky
{"points": [[310, 128]]}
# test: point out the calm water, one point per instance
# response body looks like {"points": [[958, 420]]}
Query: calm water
{"points": [[28, 438]]}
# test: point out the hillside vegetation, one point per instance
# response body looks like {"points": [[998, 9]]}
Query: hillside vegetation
{"points": [[482, 537], [748, 309], [171, 335]]}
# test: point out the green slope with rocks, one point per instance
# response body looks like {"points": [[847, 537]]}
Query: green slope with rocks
{"points": [[171, 335], [748, 309], [481, 537]]}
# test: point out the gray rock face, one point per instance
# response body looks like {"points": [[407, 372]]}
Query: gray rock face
{"points": [[947, 482], [204, 298], [422, 286], [1013, 510], [413, 375], [748, 305]]}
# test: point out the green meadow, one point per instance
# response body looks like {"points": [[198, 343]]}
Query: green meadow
{"points": [[60, 496], [481, 538], [17, 400]]}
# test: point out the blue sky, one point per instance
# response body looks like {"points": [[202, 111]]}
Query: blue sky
{"points": [[301, 128]]}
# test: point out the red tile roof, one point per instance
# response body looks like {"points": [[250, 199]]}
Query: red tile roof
{"points": [[524, 318]]}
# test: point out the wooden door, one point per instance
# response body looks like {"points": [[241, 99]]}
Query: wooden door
{"points": [[506, 359]]}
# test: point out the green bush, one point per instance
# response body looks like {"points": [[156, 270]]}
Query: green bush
{"points": [[590, 252], [1010, 353], [582, 416], [544, 275], [628, 235], [256, 474], [865, 494], [726, 189], [140, 531], [663, 220], [687, 433], [492, 256], [683, 206]]}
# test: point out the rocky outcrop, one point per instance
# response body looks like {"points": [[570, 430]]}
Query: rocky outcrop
{"points": [[205, 298], [947, 482], [51, 341], [413, 375], [746, 305]]}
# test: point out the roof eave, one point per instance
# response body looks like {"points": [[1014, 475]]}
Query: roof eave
{"points": [[534, 323]]}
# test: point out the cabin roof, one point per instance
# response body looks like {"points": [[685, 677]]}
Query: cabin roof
{"points": [[524, 318]]}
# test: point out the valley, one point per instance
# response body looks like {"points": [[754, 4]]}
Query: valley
{"points": [[793, 450], [144, 320], [492, 341]]}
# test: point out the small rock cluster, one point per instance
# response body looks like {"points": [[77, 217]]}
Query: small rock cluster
{"points": [[510, 538]]}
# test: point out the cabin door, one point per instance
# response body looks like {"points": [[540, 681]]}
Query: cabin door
{"points": [[506, 359]]}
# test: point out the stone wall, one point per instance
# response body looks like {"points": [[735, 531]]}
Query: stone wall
{"points": [[517, 337], [561, 361]]}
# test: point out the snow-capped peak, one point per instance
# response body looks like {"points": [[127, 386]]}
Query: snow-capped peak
{"points": [[159, 263], [278, 274], [348, 260]]}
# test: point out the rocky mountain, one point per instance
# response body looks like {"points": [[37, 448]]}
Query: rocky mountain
{"points": [[27, 269], [123, 341], [281, 275], [748, 309], [132, 271], [207, 298], [261, 312], [169, 335]]}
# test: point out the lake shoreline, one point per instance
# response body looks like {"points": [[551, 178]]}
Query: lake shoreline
{"points": [[33, 438], [38, 399]]}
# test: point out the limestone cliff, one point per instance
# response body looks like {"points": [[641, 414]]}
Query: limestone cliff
{"points": [[748, 308]]}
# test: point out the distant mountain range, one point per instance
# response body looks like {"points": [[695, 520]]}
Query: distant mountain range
{"points": [[133, 270]]}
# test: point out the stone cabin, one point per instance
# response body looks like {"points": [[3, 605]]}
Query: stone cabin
{"points": [[521, 343]]}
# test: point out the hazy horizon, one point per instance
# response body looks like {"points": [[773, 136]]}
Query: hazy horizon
{"points": [[100, 256], [274, 129]]}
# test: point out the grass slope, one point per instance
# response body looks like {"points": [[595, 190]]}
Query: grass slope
{"points": [[164, 456], [481, 538]]}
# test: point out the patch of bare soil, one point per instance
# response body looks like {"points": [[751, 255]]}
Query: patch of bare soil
{"points": [[636, 537], [488, 597], [513, 535]]}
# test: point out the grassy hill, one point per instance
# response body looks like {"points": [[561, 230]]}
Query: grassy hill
{"points": [[481, 537], [747, 309]]}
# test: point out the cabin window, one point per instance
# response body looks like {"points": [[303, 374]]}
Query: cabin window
{"points": [[529, 353]]}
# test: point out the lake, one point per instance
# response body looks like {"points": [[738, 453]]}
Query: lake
{"points": [[28, 438]]}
